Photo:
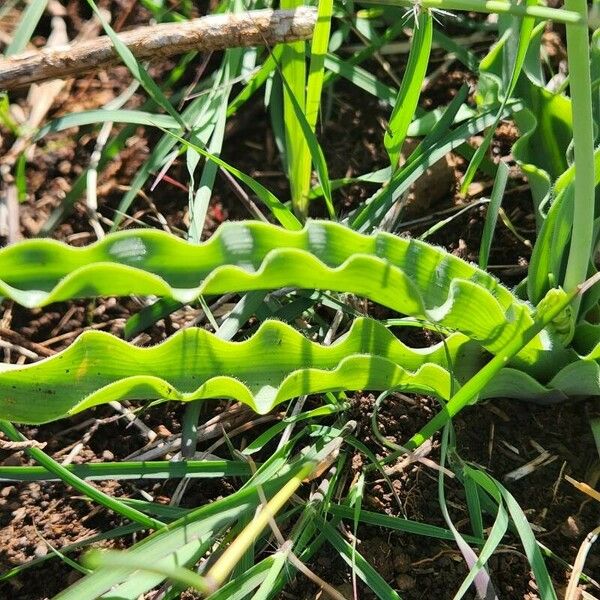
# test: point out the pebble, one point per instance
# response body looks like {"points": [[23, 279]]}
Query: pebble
{"points": [[571, 528], [40, 550], [108, 455], [401, 562], [19, 514], [5, 492], [405, 582]]}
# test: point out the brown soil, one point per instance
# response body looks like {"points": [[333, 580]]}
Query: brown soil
{"points": [[499, 436]]}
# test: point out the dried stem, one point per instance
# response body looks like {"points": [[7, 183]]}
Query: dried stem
{"points": [[214, 32]]}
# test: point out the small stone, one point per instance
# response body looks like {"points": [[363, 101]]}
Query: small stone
{"points": [[34, 491], [162, 431], [108, 455], [40, 550], [405, 582], [64, 167], [5, 492], [571, 528], [19, 514], [401, 562]]}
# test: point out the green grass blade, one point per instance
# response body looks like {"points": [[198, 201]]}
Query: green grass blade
{"points": [[582, 244], [102, 115], [117, 560], [532, 550], [293, 71], [525, 32], [265, 591], [149, 315], [277, 208], [363, 569], [492, 214], [410, 90], [361, 78], [313, 151], [241, 587], [256, 81], [133, 470], [81, 486], [29, 21], [396, 523], [318, 51], [116, 533], [136, 68]]}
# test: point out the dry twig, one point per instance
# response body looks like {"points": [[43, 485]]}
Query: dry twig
{"points": [[214, 32]]}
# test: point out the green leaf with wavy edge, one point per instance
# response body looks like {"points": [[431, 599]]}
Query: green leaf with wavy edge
{"points": [[274, 365], [408, 276]]}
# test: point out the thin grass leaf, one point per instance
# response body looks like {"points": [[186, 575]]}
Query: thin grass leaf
{"points": [[199, 198], [112, 559], [492, 214], [136, 68], [496, 533], [116, 533], [184, 541], [277, 208], [397, 524], [244, 584], [410, 89], [81, 486], [109, 152], [29, 21], [361, 78], [477, 573], [293, 71], [263, 439], [256, 81], [149, 315], [530, 545], [367, 52], [462, 53], [64, 558], [473, 505], [132, 470], [318, 51], [315, 153], [91, 117], [363, 569], [201, 116], [379, 176], [525, 32], [440, 141], [443, 222], [265, 591]]}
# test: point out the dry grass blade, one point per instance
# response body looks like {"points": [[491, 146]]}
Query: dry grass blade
{"points": [[573, 592]]}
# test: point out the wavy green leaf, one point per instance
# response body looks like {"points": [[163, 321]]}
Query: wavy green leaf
{"points": [[407, 276], [274, 365]]}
